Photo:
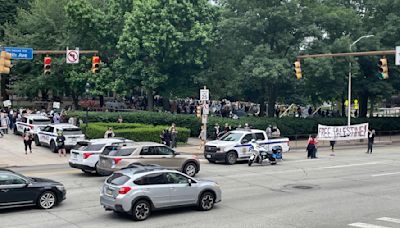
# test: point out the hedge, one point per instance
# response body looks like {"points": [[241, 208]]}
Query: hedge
{"points": [[134, 131], [288, 126]]}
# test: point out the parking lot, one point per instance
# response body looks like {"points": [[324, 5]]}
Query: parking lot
{"points": [[345, 190]]}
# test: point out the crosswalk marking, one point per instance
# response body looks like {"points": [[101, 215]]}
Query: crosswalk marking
{"points": [[366, 225], [387, 219]]}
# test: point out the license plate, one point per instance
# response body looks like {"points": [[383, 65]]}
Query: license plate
{"points": [[74, 156], [109, 192], [208, 156]]}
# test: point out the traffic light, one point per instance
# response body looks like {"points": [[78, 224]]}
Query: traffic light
{"points": [[297, 69], [5, 62], [198, 111], [383, 69], [95, 64], [47, 65]]}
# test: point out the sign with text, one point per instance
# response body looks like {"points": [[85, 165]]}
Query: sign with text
{"points": [[204, 94], [206, 109], [7, 103], [342, 133], [20, 53], [56, 105]]}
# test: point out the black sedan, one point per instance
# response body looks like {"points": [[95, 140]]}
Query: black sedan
{"points": [[17, 190]]}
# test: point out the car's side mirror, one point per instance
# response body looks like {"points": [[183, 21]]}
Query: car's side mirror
{"points": [[189, 182]]}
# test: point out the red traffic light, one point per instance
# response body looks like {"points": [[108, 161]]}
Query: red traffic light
{"points": [[96, 59], [47, 60]]}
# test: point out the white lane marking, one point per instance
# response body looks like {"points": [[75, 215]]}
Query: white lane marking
{"points": [[350, 165], [366, 225], [384, 174], [387, 219]]}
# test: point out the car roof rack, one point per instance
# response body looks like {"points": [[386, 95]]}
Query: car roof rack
{"points": [[140, 168]]}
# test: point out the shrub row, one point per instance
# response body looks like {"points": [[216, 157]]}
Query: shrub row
{"points": [[134, 131], [288, 126]]}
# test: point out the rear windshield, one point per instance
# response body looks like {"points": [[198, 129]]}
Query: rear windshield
{"points": [[40, 121], [122, 152], [117, 179], [93, 147], [72, 131], [110, 149]]}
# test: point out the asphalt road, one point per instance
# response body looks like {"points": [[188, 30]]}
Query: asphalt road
{"points": [[351, 189]]}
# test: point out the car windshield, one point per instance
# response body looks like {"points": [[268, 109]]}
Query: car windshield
{"points": [[110, 149], [93, 147], [40, 121], [231, 137], [72, 131], [117, 179]]}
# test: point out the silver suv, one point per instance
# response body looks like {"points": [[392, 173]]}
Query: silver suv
{"points": [[114, 158], [140, 189]]}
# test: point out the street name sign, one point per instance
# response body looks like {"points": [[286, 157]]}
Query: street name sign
{"points": [[72, 56], [19, 52]]}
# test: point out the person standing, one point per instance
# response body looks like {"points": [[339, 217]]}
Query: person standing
{"points": [[332, 143], [312, 147], [174, 135], [120, 120], [269, 131], [202, 137], [167, 137], [216, 131], [109, 133], [371, 138], [60, 140], [28, 138], [56, 118]]}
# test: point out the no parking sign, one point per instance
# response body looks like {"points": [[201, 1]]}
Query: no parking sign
{"points": [[72, 56]]}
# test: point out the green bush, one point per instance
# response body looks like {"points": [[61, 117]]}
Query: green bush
{"points": [[288, 126], [134, 131]]}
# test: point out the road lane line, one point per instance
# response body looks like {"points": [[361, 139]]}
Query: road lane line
{"points": [[351, 165], [384, 174], [52, 172], [366, 225], [387, 219]]}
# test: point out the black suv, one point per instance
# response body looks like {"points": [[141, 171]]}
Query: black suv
{"points": [[17, 190]]}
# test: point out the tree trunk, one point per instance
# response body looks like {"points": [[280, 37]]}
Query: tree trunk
{"points": [[101, 97], [343, 107], [371, 111], [150, 100], [271, 102], [363, 105], [75, 101]]}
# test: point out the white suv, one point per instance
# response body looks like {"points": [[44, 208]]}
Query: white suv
{"points": [[86, 156], [47, 136], [31, 122]]}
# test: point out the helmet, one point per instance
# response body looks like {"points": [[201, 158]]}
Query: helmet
{"points": [[276, 149]]}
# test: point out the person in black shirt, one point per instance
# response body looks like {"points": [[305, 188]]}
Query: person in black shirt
{"points": [[60, 140], [371, 137]]}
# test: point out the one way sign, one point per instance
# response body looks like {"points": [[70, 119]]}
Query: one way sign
{"points": [[72, 56]]}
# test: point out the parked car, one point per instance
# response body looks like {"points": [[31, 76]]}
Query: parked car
{"points": [[235, 145], [47, 136], [17, 190], [142, 189], [86, 155], [118, 157], [31, 122]]}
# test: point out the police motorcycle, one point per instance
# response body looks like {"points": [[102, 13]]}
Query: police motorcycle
{"points": [[259, 154]]}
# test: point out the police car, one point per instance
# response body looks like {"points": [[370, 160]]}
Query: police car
{"points": [[86, 155], [31, 122], [47, 136]]}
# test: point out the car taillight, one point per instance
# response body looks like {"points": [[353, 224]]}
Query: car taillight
{"points": [[30, 126], [117, 160], [124, 190], [86, 155]]}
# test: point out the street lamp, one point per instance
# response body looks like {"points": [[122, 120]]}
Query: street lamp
{"points": [[87, 87], [349, 90]]}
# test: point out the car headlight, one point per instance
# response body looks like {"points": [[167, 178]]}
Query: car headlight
{"points": [[220, 149], [60, 187]]}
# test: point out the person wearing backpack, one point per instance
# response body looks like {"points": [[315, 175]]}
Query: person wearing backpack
{"points": [[28, 138]]}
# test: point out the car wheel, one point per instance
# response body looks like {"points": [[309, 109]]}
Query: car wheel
{"points": [[47, 200], [53, 147], [231, 158], [190, 169], [37, 142], [206, 201], [141, 210]]}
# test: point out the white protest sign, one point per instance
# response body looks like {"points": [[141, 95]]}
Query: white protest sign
{"points": [[204, 94], [56, 105], [206, 109], [342, 133], [7, 103], [72, 56]]}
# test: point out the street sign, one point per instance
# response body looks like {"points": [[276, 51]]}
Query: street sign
{"points": [[398, 55], [72, 56], [206, 109], [20, 53], [7, 103], [204, 119], [204, 94], [56, 105]]}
